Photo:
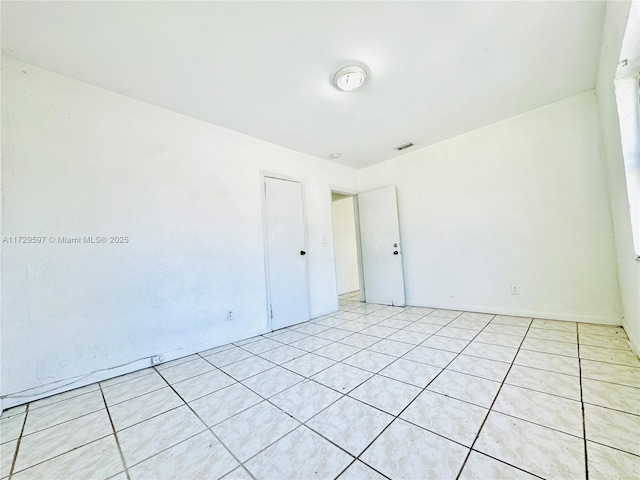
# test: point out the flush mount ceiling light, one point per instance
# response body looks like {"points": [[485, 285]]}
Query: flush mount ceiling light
{"points": [[350, 78], [335, 155]]}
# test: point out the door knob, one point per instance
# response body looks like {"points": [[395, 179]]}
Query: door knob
{"points": [[302, 252], [395, 252]]}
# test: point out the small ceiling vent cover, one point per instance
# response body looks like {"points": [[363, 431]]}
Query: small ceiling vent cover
{"points": [[405, 145]]}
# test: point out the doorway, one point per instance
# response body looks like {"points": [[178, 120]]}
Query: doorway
{"points": [[368, 252], [346, 244]]}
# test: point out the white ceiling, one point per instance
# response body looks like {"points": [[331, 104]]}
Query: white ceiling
{"points": [[436, 69]]}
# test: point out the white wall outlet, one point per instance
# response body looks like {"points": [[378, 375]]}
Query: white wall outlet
{"points": [[157, 359], [515, 290], [229, 314]]}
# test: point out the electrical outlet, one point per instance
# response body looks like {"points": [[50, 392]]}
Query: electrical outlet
{"points": [[515, 290], [157, 359], [229, 314]]}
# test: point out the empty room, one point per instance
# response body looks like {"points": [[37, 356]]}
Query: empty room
{"points": [[320, 240]]}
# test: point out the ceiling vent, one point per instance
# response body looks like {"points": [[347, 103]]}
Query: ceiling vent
{"points": [[406, 145]]}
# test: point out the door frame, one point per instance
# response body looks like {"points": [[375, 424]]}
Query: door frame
{"points": [[356, 217], [278, 176]]}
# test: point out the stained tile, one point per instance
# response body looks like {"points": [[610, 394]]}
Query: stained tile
{"points": [[524, 444], [370, 361], [365, 423], [613, 428], [550, 346], [481, 467], [548, 361], [430, 356], [547, 382], [196, 387], [451, 418], [143, 407], [266, 424], [147, 438], [124, 391], [541, 408], [247, 368], [611, 395], [406, 451], [607, 341], [391, 347], [476, 390], [201, 456], [272, 381], [53, 441], [220, 405], [611, 464], [308, 365], [302, 454], [359, 471], [337, 351], [386, 394], [606, 330], [304, 400], [341, 377], [455, 345], [480, 367], [609, 355], [99, 459], [415, 373], [608, 372]]}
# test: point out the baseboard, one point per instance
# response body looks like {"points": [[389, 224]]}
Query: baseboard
{"points": [[634, 341], [570, 317], [64, 385]]}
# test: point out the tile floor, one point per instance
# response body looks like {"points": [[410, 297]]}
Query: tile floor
{"points": [[369, 392]]}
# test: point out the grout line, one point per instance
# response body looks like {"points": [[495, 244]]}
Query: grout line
{"points": [[492, 404], [115, 434], [584, 421], [19, 441]]}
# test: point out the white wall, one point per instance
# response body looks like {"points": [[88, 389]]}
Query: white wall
{"points": [[344, 240], [628, 268], [520, 202], [82, 161]]}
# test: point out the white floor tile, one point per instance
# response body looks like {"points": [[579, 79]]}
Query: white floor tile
{"points": [[386, 394], [305, 399], [481, 467]]}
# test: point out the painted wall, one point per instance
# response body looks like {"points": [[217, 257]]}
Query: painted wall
{"points": [[520, 202], [628, 267], [81, 161], [344, 240]]}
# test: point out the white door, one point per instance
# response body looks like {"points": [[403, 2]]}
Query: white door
{"points": [[381, 249], [286, 260]]}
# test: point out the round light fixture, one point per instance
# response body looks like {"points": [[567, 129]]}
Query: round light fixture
{"points": [[350, 78], [335, 155]]}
